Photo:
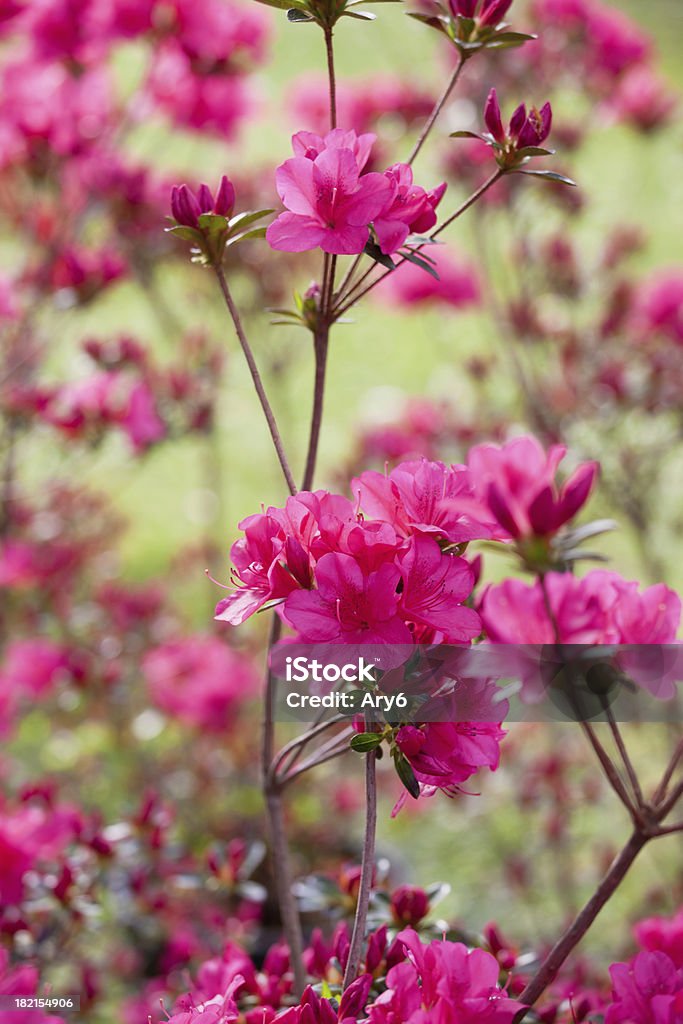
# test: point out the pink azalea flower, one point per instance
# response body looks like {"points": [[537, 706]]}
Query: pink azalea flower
{"points": [[517, 482], [649, 990], [446, 754], [199, 680], [426, 497], [329, 204], [434, 589], [599, 608], [260, 572], [311, 146], [350, 606], [664, 935], [408, 208], [220, 1009], [446, 982]]}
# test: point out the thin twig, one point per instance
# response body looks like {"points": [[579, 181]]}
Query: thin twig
{"points": [[582, 922], [660, 792], [256, 378], [367, 872], [438, 107]]}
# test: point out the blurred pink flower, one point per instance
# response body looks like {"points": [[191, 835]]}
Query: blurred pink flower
{"points": [[199, 680], [658, 305], [457, 285], [663, 934], [22, 980]]}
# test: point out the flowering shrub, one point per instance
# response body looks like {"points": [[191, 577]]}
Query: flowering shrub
{"points": [[168, 848]]}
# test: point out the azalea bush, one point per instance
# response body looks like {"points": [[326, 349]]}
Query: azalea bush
{"points": [[172, 848]]}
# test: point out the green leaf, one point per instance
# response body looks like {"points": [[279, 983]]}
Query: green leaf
{"points": [[429, 19], [550, 175], [214, 223], [282, 5], [375, 253], [535, 151], [187, 234], [581, 533], [419, 261], [296, 14], [363, 742], [360, 15], [406, 773], [254, 233], [242, 220], [467, 135], [505, 40]]}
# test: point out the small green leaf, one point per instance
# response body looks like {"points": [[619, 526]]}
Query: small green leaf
{"points": [[242, 220], [282, 5], [550, 175], [296, 14], [535, 151], [462, 134], [364, 742], [428, 19], [505, 40], [419, 261], [187, 234], [406, 773], [375, 253], [360, 15], [254, 233]]}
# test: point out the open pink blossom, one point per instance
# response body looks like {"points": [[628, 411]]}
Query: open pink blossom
{"points": [[446, 754], [434, 589], [426, 497], [350, 606], [261, 560], [445, 982], [408, 208], [517, 481], [329, 204], [649, 990]]}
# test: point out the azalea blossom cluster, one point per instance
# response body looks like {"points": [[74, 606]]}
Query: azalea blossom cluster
{"points": [[405, 973], [330, 203], [386, 569]]}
